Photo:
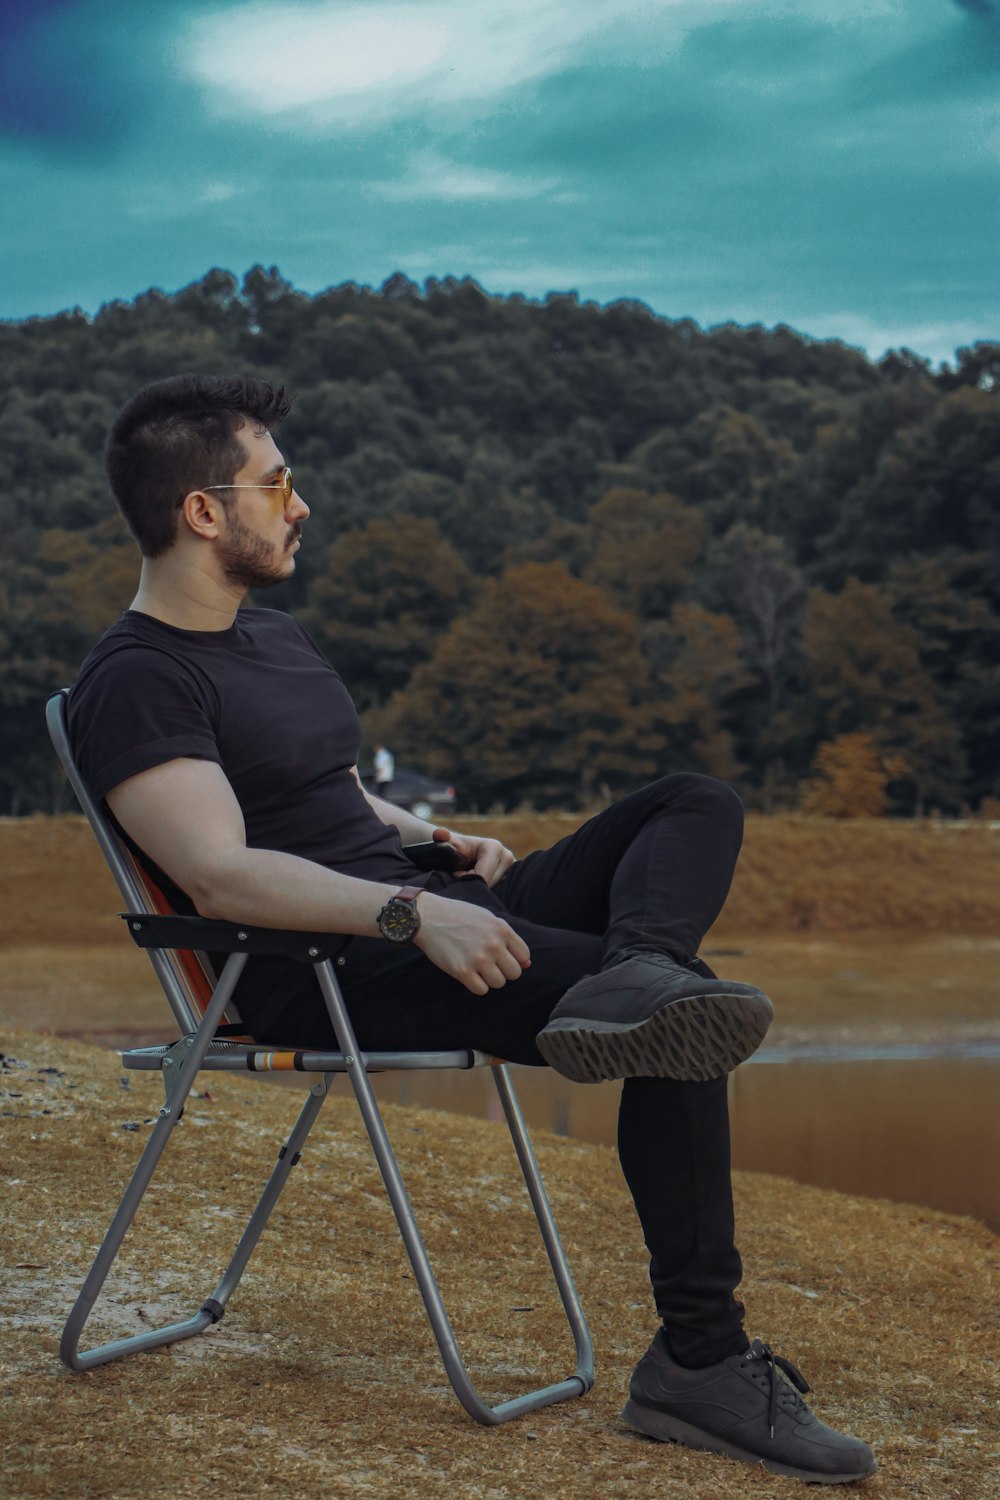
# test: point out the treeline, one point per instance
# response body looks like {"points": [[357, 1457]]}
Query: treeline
{"points": [[555, 548]]}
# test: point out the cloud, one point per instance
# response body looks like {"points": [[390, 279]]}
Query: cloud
{"points": [[219, 192], [338, 63], [935, 339], [160, 200], [537, 279], [431, 176]]}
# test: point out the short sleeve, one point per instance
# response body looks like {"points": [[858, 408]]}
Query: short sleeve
{"points": [[135, 709]]}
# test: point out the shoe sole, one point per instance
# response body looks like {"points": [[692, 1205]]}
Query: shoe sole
{"points": [[667, 1429], [692, 1039]]}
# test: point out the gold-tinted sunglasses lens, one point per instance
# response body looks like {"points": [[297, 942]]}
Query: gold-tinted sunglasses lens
{"points": [[287, 486]]}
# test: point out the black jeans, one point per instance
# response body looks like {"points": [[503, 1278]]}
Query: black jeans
{"points": [[653, 872]]}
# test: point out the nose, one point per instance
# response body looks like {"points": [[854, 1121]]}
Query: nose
{"points": [[298, 509]]}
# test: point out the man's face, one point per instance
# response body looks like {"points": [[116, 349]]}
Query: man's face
{"points": [[259, 535]]}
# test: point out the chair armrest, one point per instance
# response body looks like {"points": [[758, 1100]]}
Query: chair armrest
{"points": [[171, 931]]}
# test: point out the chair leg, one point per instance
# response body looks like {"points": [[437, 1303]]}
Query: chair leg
{"points": [[572, 1305], [583, 1378], [132, 1197], [288, 1157], [213, 1308]]}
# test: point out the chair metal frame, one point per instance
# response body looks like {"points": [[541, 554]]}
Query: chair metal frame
{"points": [[173, 943]]}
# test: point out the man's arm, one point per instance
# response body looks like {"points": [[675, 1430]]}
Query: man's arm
{"points": [[486, 857], [185, 815]]}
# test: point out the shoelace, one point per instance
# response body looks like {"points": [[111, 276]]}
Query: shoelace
{"points": [[759, 1350]]}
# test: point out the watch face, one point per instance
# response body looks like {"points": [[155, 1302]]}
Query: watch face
{"points": [[399, 921]]}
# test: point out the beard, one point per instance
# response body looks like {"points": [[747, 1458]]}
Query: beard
{"points": [[251, 561]]}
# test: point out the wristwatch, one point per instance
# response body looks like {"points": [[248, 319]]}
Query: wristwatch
{"points": [[399, 920]]}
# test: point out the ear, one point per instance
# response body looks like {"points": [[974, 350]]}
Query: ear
{"points": [[201, 512]]}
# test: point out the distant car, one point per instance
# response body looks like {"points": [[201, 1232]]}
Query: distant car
{"points": [[419, 794]]}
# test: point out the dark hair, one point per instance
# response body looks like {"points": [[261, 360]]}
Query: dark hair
{"points": [[177, 435]]}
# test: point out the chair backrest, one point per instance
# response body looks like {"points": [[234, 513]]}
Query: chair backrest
{"points": [[186, 977]]}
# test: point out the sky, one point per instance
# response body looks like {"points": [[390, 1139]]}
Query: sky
{"points": [[833, 165]]}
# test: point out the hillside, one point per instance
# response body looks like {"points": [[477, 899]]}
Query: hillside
{"points": [[554, 546]]}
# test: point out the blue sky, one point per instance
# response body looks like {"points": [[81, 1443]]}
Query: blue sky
{"points": [[831, 164]]}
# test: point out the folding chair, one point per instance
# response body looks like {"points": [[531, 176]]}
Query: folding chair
{"points": [[200, 1005]]}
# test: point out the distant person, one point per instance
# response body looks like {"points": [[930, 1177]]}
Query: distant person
{"points": [[225, 746], [385, 770]]}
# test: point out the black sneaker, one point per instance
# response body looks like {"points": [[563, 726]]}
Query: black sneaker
{"points": [[746, 1408], [648, 1017]]}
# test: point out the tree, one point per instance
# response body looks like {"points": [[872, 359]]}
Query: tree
{"points": [[978, 365], [934, 483], [753, 578], [539, 693], [822, 503], [642, 549], [58, 592], [850, 776], [723, 459], [697, 663], [943, 600], [507, 422], [387, 593], [865, 676]]}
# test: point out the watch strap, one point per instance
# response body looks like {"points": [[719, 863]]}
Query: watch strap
{"points": [[408, 893]]}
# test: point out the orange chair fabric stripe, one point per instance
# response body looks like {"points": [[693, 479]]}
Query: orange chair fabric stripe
{"points": [[198, 983]]}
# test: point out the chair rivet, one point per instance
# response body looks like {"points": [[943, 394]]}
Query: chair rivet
{"points": [[349, 1060], [165, 1112], [136, 926], [314, 953], [341, 962], [242, 936]]}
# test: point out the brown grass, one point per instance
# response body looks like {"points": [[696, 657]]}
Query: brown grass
{"points": [[795, 875], [867, 925], [799, 874], [323, 1379]]}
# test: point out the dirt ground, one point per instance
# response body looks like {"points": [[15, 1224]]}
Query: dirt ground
{"points": [[323, 1378]]}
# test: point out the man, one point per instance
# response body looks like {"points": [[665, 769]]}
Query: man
{"points": [[225, 747], [384, 765]]}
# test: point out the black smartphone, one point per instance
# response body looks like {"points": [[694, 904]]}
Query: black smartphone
{"points": [[434, 855]]}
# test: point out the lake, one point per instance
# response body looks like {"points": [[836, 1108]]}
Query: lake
{"points": [[917, 1123]]}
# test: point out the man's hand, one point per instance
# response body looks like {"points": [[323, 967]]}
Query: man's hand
{"points": [[472, 945], [486, 857]]}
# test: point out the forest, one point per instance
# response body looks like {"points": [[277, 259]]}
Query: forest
{"points": [[556, 547]]}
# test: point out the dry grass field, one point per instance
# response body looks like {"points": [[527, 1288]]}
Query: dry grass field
{"points": [[799, 874], [796, 874], [915, 906], [322, 1380]]}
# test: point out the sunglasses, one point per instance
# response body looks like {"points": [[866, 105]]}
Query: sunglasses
{"points": [[284, 484]]}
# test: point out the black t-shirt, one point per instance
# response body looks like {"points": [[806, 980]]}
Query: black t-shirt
{"points": [[261, 701]]}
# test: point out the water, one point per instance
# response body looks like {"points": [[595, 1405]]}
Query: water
{"points": [[911, 1125], [916, 1123]]}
